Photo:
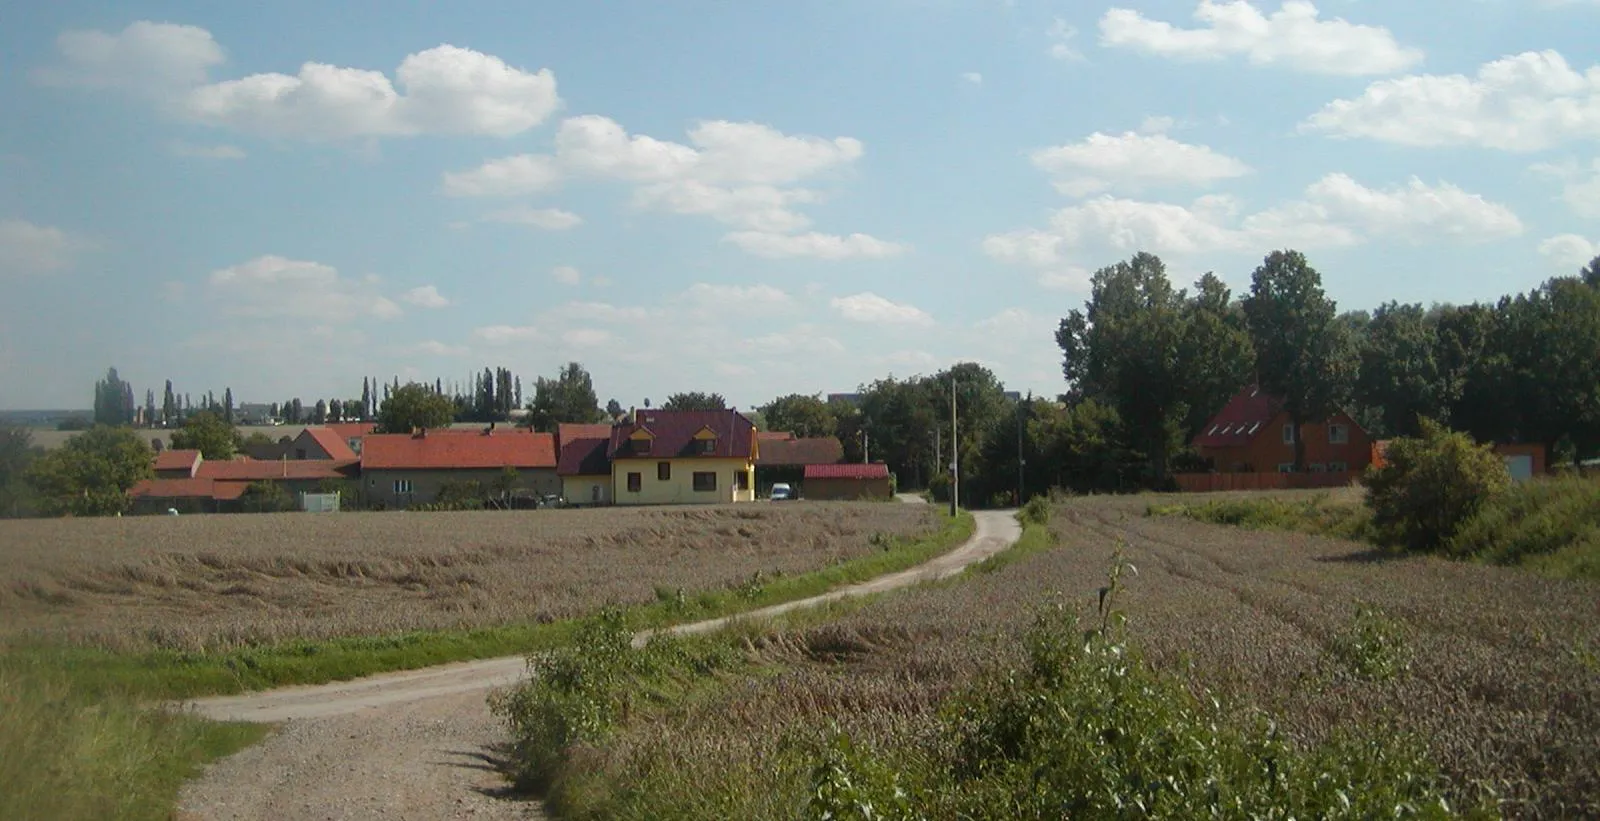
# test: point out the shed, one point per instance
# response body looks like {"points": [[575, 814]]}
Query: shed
{"points": [[869, 481]]}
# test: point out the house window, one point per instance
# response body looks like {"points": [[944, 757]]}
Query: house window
{"points": [[1286, 467], [1288, 433], [1338, 435], [663, 471], [708, 445], [1318, 467], [741, 480], [705, 481], [402, 486], [641, 447], [299, 453], [1338, 467], [635, 482]]}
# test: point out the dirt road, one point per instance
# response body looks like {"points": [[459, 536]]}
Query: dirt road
{"points": [[421, 744]]}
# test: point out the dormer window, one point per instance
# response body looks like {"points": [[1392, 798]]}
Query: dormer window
{"points": [[708, 445], [705, 441]]}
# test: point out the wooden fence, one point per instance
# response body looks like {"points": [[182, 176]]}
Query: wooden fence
{"points": [[1220, 482]]}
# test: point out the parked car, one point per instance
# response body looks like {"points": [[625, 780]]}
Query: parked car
{"points": [[781, 492], [552, 500]]}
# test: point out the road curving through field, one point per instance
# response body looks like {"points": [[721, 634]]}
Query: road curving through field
{"points": [[419, 743]]}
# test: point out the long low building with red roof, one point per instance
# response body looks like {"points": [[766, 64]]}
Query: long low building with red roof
{"points": [[848, 481], [399, 470]]}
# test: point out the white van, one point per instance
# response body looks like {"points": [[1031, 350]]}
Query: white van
{"points": [[781, 492]]}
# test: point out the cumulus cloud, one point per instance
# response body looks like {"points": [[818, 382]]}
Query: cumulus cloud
{"points": [[549, 219], [972, 78], [1293, 37], [425, 296], [1334, 211], [587, 337], [264, 287], [1580, 187], [744, 175], [871, 308], [1569, 252], [501, 335], [1133, 161], [1061, 35], [816, 245], [566, 275], [27, 248], [746, 299], [149, 58], [1527, 102]]}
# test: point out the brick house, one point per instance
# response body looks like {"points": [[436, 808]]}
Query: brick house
{"points": [[683, 457], [399, 470], [1253, 434]]}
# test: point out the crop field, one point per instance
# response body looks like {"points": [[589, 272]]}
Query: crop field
{"points": [[209, 583], [1495, 672]]}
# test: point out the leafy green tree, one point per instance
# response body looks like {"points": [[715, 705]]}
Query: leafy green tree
{"points": [[695, 401], [804, 416], [1215, 356], [1400, 375], [91, 474], [898, 424], [17, 452], [1431, 485], [413, 406], [568, 398], [981, 404], [1303, 353], [227, 405], [1543, 355], [113, 400], [208, 433], [169, 407], [614, 408]]}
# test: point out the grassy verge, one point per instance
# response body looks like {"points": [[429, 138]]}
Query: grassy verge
{"points": [[69, 754], [167, 674], [1083, 728], [1551, 526]]}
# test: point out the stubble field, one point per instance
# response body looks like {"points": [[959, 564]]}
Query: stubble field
{"points": [[1494, 671], [213, 583]]}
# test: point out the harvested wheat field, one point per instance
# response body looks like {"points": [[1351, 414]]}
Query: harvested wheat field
{"points": [[1496, 671], [214, 582]]}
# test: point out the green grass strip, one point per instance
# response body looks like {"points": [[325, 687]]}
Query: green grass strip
{"points": [[172, 675]]}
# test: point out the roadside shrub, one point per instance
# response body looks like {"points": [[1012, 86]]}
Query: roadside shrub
{"points": [[266, 497], [1035, 512], [1431, 486], [939, 488]]}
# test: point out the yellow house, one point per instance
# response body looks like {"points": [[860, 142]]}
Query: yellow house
{"points": [[583, 467], [683, 457]]}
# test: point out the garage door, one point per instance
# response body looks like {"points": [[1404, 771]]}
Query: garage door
{"points": [[1521, 467]]}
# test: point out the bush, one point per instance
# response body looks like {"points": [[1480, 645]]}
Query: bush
{"points": [[939, 488], [1431, 486], [1539, 518], [266, 497], [1035, 512]]}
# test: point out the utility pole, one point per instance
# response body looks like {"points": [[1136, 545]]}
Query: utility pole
{"points": [[955, 452], [1021, 459]]}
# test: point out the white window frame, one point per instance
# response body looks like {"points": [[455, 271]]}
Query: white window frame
{"points": [[1338, 467], [1342, 431], [1317, 467], [1286, 467], [403, 486], [1289, 433]]}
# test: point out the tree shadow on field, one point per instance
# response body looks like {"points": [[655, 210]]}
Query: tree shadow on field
{"points": [[1371, 555], [491, 758]]}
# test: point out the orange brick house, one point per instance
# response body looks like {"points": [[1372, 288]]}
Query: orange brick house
{"points": [[1253, 434]]}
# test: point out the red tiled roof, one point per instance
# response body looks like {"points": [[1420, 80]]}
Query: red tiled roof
{"points": [[570, 430], [256, 470], [1240, 421], [584, 457], [329, 440], [774, 435], [824, 450], [674, 434], [177, 459], [852, 470], [351, 430], [443, 450], [188, 489]]}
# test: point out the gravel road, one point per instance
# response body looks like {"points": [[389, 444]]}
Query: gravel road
{"points": [[421, 744]]}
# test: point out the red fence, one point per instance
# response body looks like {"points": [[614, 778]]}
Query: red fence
{"points": [[1218, 482]]}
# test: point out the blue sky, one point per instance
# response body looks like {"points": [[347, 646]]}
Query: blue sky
{"points": [[751, 198]]}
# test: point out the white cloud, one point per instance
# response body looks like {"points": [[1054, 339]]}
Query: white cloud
{"points": [[972, 78], [276, 287], [1155, 124], [1334, 211], [1580, 187], [1527, 102], [150, 58], [1293, 37], [1134, 161], [820, 246], [1061, 35], [871, 308], [26, 248], [746, 299], [602, 312], [434, 347], [501, 335], [425, 296], [566, 275], [443, 90], [587, 337], [599, 145], [1071, 278], [756, 207], [505, 177], [206, 152], [1569, 252], [549, 219]]}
